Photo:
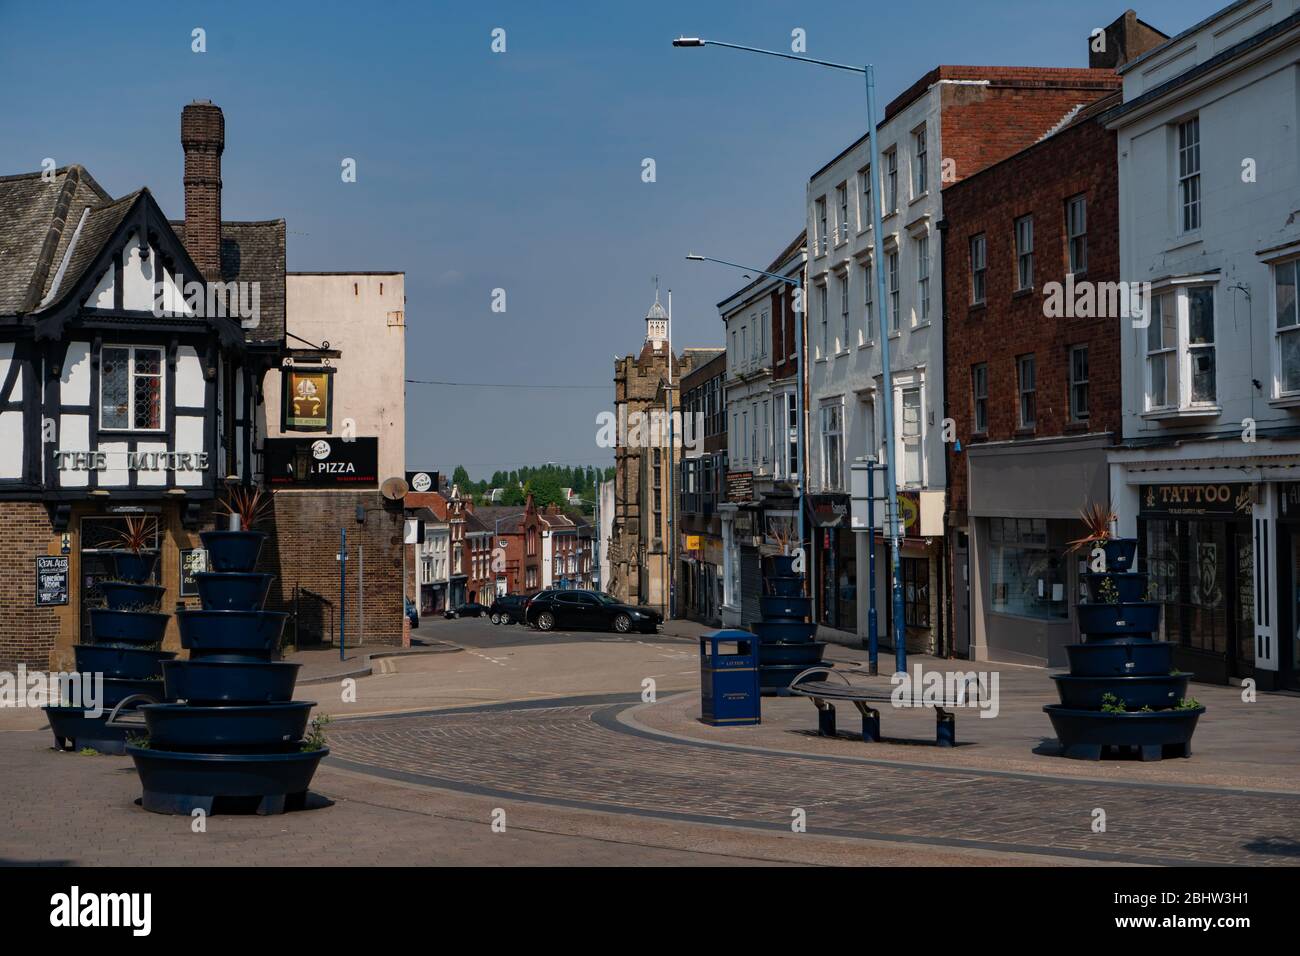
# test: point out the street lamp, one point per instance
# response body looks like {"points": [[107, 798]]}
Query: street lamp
{"points": [[797, 282], [891, 483]]}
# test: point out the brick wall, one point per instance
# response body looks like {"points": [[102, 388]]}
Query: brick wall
{"points": [[27, 632], [1037, 181]]}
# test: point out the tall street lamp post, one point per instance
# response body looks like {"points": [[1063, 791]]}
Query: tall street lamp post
{"points": [[892, 516]]}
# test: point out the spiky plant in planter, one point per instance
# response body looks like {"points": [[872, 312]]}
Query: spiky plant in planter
{"points": [[1097, 520], [246, 506]]}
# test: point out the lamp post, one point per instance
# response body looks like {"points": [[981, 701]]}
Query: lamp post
{"points": [[797, 282], [892, 517]]}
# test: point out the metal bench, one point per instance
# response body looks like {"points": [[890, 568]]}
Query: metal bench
{"points": [[824, 693]]}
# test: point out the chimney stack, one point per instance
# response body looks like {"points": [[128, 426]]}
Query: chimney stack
{"points": [[203, 137], [1125, 39]]}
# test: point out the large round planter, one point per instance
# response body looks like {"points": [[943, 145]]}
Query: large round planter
{"points": [[126, 596], [1121, 554], [1115, 659], [214, 729], [181, 782], [127, 627], [781, 608], [231, 591], [806, 654], [119, 661], [1129, 588], [255, 633], [1087, 734], [118, 689], [205, 681], [780, 565], [1105, 621], [786, 586], [786, 631], [1159, 692], [135, 568], [233, 550], [73, 730], [774, 679]]}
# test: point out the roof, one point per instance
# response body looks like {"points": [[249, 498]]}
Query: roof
{"points": [[474, 524], [427, 499], [501, 519], [255, 252], [656, 310]]}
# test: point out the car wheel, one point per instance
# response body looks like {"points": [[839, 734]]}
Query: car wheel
{"points": [[622, 624], [496, 619], [545, 621]]}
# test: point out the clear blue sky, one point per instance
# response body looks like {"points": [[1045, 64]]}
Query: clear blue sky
{"points": [[518, 170]]}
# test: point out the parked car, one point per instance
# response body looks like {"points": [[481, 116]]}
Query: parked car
{"points": [[508, 609], [588, 610], [468, 609], [412, 613]]}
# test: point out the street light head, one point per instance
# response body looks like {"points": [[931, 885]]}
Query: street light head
{"points": [[688, 41], [694, 258]]}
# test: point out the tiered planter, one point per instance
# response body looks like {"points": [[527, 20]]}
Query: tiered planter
{"points": [[126, 635], [786, 646], [1120, 657], [230, 736]]}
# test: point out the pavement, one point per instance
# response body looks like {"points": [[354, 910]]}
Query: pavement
{"points": [[589, 749]]}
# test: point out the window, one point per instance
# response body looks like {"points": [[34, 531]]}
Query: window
{"points": [[916, 591], [978, 269], [892, 260], [744, 344], [864, 198], [767, 431], [844, 309], [1076, 231], [819, 240], [763, 333], [823, 300], [1024, 253], [832, 421], [1162, 353], [791, 418], [919, 182], [868, 332], [1200, 343], [1027, 576], [1189, 174], [911, 436], [744, 437], [842, 200], [1181, 361], [891, 181], [1026, 374], [1079, 383], [979, 390], [131, 388], [1285, 308], [923, 279]]}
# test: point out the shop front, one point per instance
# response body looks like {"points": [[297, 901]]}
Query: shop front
{"points": [[1288, 571]]}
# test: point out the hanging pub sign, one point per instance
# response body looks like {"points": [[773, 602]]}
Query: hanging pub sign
{"points": [[740, 486], [193, 561], [322, 462], [1207, 498], [51, 580], [307, 399], [909, 507], [423, 481]]}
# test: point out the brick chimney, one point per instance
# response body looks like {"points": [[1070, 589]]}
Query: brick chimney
{"points": [[203, 137], [1125, 39]]}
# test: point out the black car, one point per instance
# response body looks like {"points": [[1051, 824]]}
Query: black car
{"points": [[469, 609], [588, 610], [508, 609]]}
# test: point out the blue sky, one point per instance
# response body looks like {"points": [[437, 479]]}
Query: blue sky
{"points": [[519, 170]]}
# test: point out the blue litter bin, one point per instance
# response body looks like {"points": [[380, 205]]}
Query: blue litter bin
{"points": [[729, 678]]}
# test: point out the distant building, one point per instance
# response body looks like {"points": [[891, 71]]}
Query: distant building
{"points": [[701, 486]]}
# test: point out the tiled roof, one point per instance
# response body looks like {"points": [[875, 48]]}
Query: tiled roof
{"points": [[255, 252]]}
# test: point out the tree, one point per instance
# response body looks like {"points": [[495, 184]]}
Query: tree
{"points": [[545, 489], [512, 496], [461, 477]]}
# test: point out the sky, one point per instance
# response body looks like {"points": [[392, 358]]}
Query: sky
{"points": [[518, 170]]}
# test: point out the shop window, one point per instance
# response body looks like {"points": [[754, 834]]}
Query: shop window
{"points": [[131, 388], [916, 592], [1027, 576]]}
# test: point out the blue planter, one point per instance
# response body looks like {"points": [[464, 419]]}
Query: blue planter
{"points": [[1108, 621], [1121, 554], [787, 586], [1115, 659], [781, 565], [124, 596], [233, 550], [118, 689], [1160, 691], [132, 567], [119, 661], [73, 730], [779, 608], [789, 631], [255, 633], [220, 591], [180, 782], [127, 627], [214, 729], [774, 679], [805, 655], [1086, 734], [1129, 588], [206, 681]]}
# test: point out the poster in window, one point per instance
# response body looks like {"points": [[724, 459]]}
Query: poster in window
{"points": [[308, 399]]}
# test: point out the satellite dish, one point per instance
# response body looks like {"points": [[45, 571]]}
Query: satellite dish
{"points": [[394, 489]]}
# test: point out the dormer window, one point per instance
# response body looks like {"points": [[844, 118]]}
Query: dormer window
{"points": [[131, 388]]}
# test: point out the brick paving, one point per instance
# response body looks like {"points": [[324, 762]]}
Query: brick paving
{"points": [[580, 755]]}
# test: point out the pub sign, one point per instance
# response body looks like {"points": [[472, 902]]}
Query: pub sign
{"points": [[307, 395]]}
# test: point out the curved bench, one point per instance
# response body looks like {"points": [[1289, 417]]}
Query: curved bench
{"points": [[824, 693]]}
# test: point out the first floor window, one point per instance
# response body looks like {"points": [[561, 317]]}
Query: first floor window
{"points": [[923, 279], [1027, 375], [131, 387], [1200, 343], [1162, 352], [1288, 325], [1079, 383], [792, 432], [823, 300], [844, 309], [979, 389], [911, 436], [916, 591], [832, 446], [865, 272], [892, 260]]}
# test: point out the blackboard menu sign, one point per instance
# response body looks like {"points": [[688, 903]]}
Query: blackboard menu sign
{"points": [[193, 561], [51, 580]]}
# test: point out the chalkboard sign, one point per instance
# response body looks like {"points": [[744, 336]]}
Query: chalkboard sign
{"points": [[51, 581], [193, 561]]}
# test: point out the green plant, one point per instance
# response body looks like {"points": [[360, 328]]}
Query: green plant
{"points": [[315, 739], [1097, 519], [251, 505], [138, 534], [1108, 593], [1147, 709], [1187, 703], [138, 740], [88, 752], [1110, 704]]}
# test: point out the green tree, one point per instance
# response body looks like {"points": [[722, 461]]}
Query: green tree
{"points": [[545, 489], [461, 477]]}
